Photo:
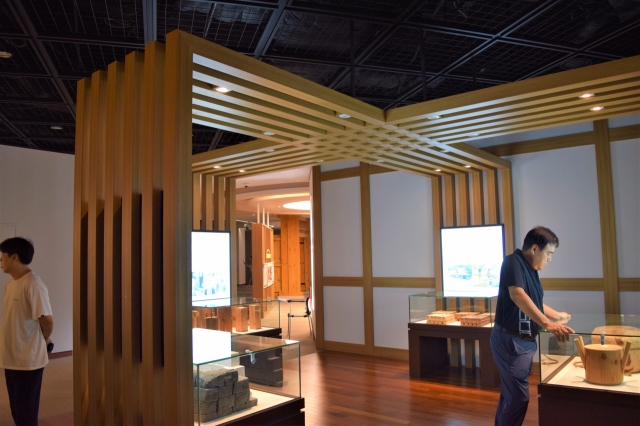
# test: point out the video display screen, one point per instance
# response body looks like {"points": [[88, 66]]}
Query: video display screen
{"points": [[210, 265], [471, 260]]}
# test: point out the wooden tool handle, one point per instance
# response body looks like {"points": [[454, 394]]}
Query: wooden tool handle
{"points": [[580, 345], [625, 354]]}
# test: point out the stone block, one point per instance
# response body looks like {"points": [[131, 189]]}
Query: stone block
{"points": [[225, 402], [206, 417], [212, 379], [253, 401], [230, 377], [241, 385], [205, 407], [242, 397], [211, 394], [225, 412], [225, 391]]}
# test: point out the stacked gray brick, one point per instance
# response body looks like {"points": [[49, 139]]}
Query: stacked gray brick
{"points": [[220, 392], [267, 369]]}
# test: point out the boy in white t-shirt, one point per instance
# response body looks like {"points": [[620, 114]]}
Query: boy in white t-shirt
{"points": [[27, 323]]}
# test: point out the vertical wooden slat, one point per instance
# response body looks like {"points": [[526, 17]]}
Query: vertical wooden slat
{"points": [[152, 324], [95, 259], [462, 200], [491, 187], [318, 288], [178, 374], [218, 203], [257, 258], [80, 249], [367, 262], [208, 214], [195, 189], [131, 241], [230, 225], [203, 202], [477, 195], [436, 205], [284, 254], [451, 219], [113, 242], [507, 210], [607, 218]]}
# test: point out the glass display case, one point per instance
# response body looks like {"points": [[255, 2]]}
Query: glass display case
{"points": [[454, 309], [597, 369], [237, 377], [242, 315]]}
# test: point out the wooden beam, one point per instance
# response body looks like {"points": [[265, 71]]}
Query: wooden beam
{"points": [[318, 280], [507, 210], [230, 225], [436, 204], [491, 186], [342, 281], [367, 261], [403, 282], [218, 203], [607, 218]]}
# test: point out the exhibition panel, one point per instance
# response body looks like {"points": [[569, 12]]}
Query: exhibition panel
{"points": [[245, 379], [596, 368], [243, 315]]}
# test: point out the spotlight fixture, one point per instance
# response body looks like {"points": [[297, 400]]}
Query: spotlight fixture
{"points": [[343, 115], [5, 55], [269, 133], [241, 171], [597, 108], [380, 161], [319, 161], [433, 116], [586, 96], [221, 89], [216, 167], [438, 170], [270, 150], [467, 166], [474, 134], [56, 128]]}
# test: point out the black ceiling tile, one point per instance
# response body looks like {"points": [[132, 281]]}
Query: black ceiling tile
{"points": [[61, 146], [35, 131], [27, 88], [374, 83], [577, 22], [570, 63], [84, 59], [8, 24], [440, 49], [33, 112], [72, 88], [13, 141], [5, 130], [234, 26], [488, 16], [508, 62], [23, 56], [443, 87], [320, 36], [113, 18], [318, 73], [365, 6], [626, 44]]}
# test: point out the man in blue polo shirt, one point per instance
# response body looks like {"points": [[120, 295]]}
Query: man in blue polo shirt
{"points": [[520, 314]]}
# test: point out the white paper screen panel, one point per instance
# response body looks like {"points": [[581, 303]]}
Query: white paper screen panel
{"points": [[401, 225], [559, 189], [576, 302], [625, 166], [570, 129], [344, 315], [627, 120], [341, 228], [630, 302], [391, 316], [340, 165]]}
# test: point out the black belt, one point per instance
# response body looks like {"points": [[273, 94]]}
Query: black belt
{"points": [[525, 337]]}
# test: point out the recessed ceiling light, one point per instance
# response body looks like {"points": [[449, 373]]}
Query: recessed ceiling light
{"points": [[319, 161], [216, 167], [467, 166], [221, 89], [241, 171], [270, 150], [56, 128], [5, 55], [298, 205], [343, 115], [438, 170], [471, 135], [380, 161], [586, 96], [269, 133], [433, 116], [597, 108]]}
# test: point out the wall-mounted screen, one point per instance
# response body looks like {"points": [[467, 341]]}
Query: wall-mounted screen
{"points": [[210, 265], [471, 260]]}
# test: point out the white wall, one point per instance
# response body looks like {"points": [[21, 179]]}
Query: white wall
{"points": [[36, 199], [341, 228], [344, 314], [401, 225], [391, 316]]}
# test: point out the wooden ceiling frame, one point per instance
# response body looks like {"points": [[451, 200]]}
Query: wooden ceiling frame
{"points": [[305, 117]]}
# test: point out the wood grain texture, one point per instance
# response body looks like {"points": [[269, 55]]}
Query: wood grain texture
{"points": [[350, 348], [177, 391], [450, 206], [340, 174], [403, 282], [507, 210], [95, 255], [629, 284], [573, 284], [462, 200], [208, 218], [491, 188], [80, 249], [230, 225], [195, 192], [113, 242], [477, 197], [436, 205], [391, 353], [343, 281], [218, 203], [607, 218], [367, 257], [130, 379], [318, 279]]}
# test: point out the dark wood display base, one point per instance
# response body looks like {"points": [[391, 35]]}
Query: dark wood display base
{"points": [[428, 352], [269, 332], [562, 405], [287, 413]]}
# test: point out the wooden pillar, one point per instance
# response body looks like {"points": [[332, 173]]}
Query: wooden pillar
{"points": [[477, 195], [196, 200], [607, 218], [230, 225], [290, 254], [507, 210], [450, 219], [491, 186], [218, 203], [208, 214], [436, 204], [318, 288], [367, 261]]}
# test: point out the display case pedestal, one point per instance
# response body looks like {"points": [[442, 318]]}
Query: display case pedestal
{"points": [[428, 352], [287, 413]]}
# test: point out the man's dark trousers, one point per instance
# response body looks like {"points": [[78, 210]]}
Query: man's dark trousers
{"points": [[513, 357], [23, 387]]}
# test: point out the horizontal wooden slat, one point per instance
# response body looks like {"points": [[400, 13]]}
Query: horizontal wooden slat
{"points": [[403, 282], [624, 133], [629, 284], [574, 284], [350, 348], [340, 174], [342, 281]]}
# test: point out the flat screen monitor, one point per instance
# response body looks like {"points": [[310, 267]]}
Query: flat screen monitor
{"points": [[471, 260], [210, 265]]}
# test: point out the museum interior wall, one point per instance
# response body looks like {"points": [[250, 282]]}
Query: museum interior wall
{"points": [[36, 201]]}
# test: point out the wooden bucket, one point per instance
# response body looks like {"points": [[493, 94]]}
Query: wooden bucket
{"points": [[621, 334], [603, 364]]}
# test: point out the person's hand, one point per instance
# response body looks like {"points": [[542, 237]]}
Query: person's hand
{"points": [[560, 331], [563, 315]]}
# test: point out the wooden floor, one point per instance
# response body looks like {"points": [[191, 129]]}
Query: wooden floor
{"points": [[339, 389]]}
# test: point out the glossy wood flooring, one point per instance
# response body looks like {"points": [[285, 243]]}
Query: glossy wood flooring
{"points": [[343, 389]]}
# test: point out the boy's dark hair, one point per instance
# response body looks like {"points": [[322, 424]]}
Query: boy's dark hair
{"points": [[20, 246], [540, 236]]}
